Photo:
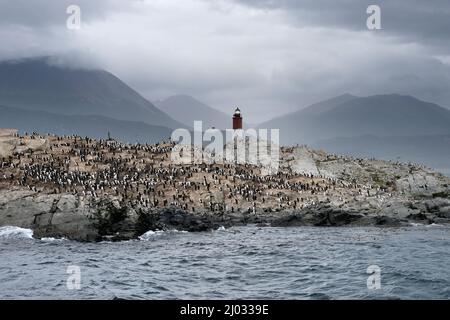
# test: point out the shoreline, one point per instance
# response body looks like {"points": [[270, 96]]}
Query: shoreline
{"points": [[14, 232], [65, 216]]}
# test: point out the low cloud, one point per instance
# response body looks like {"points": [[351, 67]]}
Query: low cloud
{"points": [[268, 57]]}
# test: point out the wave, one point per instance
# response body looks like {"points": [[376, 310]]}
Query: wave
{"points": [[152, 234], [435, 225], [414, 224], [15, 232], [51, 239]]}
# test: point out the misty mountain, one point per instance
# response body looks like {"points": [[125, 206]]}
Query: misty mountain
{"points": [[36, 84], [84, 125], [320, 107], [187, 109], [394, 127], [349, 116]]}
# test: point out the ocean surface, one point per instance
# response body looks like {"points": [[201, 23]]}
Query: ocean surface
{"points": [[236, 263]]}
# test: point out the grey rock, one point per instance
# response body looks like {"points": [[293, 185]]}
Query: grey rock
{"points": [[77, 218]]}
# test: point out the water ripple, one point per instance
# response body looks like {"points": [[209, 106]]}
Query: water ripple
{"points": [[236, 263]]}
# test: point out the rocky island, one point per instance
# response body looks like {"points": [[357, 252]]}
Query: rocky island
{"points": [[92, 190]]}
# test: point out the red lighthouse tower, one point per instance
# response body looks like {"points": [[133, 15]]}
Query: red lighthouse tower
{"points": [[237, 119]]}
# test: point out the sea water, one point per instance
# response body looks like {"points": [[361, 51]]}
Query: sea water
{"points": [[237, 263]]}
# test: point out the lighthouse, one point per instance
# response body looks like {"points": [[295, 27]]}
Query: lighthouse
{"points": [[237, 119]]}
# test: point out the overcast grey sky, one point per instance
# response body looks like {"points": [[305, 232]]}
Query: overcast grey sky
{"points": [[267, 56]]}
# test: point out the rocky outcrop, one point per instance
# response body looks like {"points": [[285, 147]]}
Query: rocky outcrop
{"points": [[335, 191], [75, 218], [49, 215]]}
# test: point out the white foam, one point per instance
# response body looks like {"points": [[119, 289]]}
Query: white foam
{"points": [[426, 225], [435, 225], [416, 224], [15, 232], [152, 234], [221, 228], [51, 239]]}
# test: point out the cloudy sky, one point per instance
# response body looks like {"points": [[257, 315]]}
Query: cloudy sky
{"points": [[266, 56]]}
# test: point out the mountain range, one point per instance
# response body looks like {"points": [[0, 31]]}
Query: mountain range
{"points": [[39, 85], [351, 116], [37, 95], [393, 127]]}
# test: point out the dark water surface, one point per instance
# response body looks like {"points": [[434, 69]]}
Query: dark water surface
{"points": [[237, 263]]}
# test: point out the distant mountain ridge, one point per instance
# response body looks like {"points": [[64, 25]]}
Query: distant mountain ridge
{"points": [[387, 115], [395, 127], [36, 84], [349, 116], [327, 105]]}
